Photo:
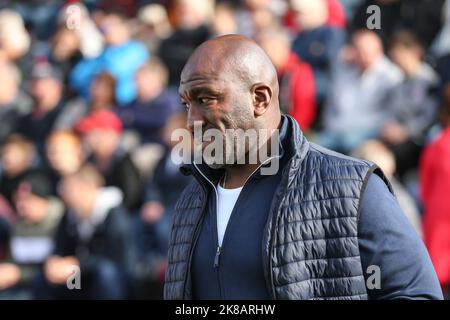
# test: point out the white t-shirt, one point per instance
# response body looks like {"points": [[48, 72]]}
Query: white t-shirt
{"points": [[226, 199]]}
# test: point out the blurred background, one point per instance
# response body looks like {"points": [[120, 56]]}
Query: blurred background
{"points": [[88, 101]]}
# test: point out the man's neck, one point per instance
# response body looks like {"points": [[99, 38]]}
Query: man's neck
{"points": [[236, 176], [45, 106]]}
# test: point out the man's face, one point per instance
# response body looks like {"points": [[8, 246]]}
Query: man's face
{"points": [[101, 91], [405, 57], [31, 208], [46, 90], [102, 142], [217, 101], [74, 192], [148, 82], [114, 30], [14, 159], [367, 48], [64, 155]]}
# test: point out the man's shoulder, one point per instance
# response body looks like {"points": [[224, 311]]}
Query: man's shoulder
{"points": [[188, 207], [329, 158], [190, 196], [322, 164]]}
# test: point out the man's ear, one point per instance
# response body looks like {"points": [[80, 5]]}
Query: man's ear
{"points": [[261, 98]]}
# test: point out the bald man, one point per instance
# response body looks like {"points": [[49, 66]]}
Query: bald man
{"points": [[323, 226]]}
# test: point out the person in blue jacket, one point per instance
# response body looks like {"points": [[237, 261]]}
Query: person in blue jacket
{"points": [[122, 58]]}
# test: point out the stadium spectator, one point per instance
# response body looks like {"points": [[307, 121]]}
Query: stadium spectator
{"points": [[17, 155], [16, 158], [92, 235], [102, 97], [225, 20], [101, 132], [316, 42], [50, 110], [412, 104], [121, 57], [358, 90], [102, 92], [64, 155], [297, 87], [149, 112], [254, 16], [191, 19]]}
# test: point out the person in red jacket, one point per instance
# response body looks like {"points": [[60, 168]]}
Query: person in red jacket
{"points": [[297, 86], [435, 191]]}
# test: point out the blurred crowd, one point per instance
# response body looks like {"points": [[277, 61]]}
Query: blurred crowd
{"points": [[88, 102]]}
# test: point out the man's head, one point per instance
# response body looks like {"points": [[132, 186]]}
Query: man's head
{"points": [[224, 20], [103, 91], [309, 14], [406, 51], [192, 14], [367, 47], [31, 197], [79, 189], [64, 152], [101, 132], [230, 83], [114, 28], [16, 156], [46, 85], [151, 79]]}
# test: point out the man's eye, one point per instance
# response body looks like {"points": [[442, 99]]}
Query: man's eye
{"points": [[204, 100]]}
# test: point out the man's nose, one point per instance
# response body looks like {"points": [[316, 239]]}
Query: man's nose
{"points": [[194, 116]]}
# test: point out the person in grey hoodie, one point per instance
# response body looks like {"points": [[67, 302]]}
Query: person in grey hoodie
{"points": [[92, 241], [412, 104]]}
